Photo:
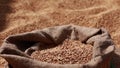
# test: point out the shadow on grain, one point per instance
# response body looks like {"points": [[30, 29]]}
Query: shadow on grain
{"points": [[5, 9]]}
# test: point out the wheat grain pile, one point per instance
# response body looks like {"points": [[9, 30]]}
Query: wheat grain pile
{"points": [[18, 16], [69, 52], [2, 62]]}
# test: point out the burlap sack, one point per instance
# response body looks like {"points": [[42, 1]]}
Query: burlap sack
{"points": [[17, 49], [115, 61]]}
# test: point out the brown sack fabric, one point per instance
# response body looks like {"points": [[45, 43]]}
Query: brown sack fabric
{"points": [[115, 62], [17, 49]]}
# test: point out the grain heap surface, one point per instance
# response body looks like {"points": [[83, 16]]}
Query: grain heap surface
{"points": [[69, 52], [18, 16], [2, 63]]}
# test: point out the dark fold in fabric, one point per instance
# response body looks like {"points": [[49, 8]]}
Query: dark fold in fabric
{"points": [[17, 49]]}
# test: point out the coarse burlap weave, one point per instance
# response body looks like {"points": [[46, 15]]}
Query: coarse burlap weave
{"points": [[16, 49]]}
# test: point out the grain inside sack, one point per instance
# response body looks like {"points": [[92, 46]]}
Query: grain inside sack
{"points": [[68, 52]]}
